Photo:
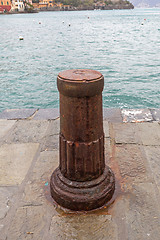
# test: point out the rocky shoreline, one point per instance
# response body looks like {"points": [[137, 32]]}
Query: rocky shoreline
{"points": [[84, 8], [22, 12]]}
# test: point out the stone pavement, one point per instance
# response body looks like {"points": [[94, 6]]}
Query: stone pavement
{"points": [[29, 154]]}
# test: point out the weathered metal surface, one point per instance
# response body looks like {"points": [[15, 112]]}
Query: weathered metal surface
{"points": [[80, 83], [85, 195], [82, 182]]}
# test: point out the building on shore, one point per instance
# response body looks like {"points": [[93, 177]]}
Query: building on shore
{"points": [[14, 6], [47, 5], [69, 5], [99, 5], [17, 5], [5, 6]]}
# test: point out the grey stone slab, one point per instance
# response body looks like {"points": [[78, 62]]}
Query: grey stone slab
{"points": [[51, 142], [112, 114], [28, 131], [106, 129], [118, 211], [136, 115], [155, 114], [125, 133], [47, 114], [17, 113], [1, 227], [5, 126], [39, 179], [108, 150], [6, 194], [47, 162], [28, 223], [83, 226], [54, 127], [153, 157], [149, 133], [51, 139], [15, 160], [132, 164], [32, 218], [143, 215]]}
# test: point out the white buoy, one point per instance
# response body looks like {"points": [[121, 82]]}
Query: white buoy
{"points": [[63, 22], [142, 23], [20, 38], [39, 22], [69, 24]]}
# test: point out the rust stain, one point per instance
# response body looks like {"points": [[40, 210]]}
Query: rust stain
{"points": [[76, 144]]}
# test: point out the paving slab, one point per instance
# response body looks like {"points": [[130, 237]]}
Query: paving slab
{"points": [[6, 194], [39, 179], [1, 227], [143, 215], [106, 129], [153, 157], [51, 138], [149, 133], [5, 126], [17, 113], [155, 114], [136, 115], [43, 114], [51, 142], [54, 127], [112, 115], [83, 226], [27, 131], [132, 165], [31, 154], [12, 159], [118, 212], [126, 133], [28, 223], [108, 150]]}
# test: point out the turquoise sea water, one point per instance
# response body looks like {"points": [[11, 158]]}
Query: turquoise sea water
{"points": [[113, 42]]}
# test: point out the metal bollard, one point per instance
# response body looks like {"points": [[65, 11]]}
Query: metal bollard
{"points": [[82, 181]]}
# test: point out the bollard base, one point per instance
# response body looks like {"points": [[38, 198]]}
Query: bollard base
{"points": [[80, 196]]}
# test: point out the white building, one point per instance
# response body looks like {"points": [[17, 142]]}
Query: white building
{"points": [[18, 5]]}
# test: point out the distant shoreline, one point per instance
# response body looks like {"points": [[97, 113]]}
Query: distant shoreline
{"points": [[81, 8], [16, 12], [71, 8], [63, 10]]}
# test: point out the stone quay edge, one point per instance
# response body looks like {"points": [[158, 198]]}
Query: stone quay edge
{"points": [[109, 114]]}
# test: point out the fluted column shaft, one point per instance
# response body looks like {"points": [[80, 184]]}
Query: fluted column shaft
{"points": [[81, 129]]}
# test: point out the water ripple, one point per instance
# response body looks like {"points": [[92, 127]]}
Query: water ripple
{"points": [[113, 42]]}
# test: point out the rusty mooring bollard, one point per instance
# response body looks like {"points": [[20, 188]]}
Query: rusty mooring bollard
{"points": [[82, 181]]}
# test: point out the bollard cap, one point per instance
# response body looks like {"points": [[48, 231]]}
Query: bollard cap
{"points": [[80, 83]]}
